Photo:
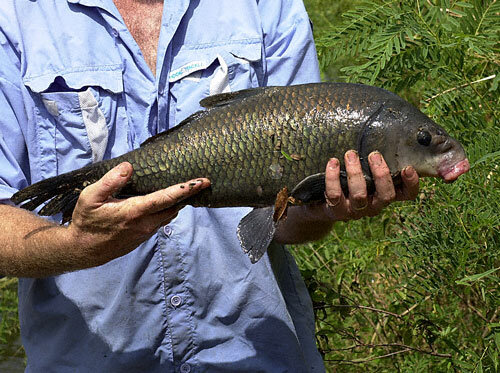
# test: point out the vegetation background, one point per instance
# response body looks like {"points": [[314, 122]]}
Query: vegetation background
{"points": [[415, 289]]}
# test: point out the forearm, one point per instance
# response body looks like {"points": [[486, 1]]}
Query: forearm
{"points": [[302, 225], [34, 247]]}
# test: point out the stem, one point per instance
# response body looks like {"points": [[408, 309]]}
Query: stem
{"points": [[362, 308], [460, 87], [482, 18]]}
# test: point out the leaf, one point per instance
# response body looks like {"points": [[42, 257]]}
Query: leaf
{"points": [[287, 156], [486, 157], [466, 280], [464, 4]]}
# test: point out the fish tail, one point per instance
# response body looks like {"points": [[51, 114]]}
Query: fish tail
{"points": [[60, 192]]}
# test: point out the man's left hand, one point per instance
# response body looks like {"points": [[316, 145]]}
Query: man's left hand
{"points": [[311, 222], [359, 203]]}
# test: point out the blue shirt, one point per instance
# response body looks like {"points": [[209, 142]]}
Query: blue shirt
{"points": [[74, 89]]}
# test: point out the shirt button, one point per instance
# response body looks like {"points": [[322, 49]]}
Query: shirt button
{"points": [[176, 300], [185, 368], [115, 33], [167, 230]]}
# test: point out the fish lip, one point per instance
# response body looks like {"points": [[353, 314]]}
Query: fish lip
{"points": [[451, 173]]}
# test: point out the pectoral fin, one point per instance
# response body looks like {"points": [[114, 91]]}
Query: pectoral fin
{"points": [[312, 188], [256, 229]]}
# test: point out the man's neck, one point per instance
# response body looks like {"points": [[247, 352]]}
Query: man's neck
{"points": [[143, 19]]}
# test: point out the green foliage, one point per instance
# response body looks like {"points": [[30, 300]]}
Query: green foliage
{"points": [[416, 289], [9, 323]]}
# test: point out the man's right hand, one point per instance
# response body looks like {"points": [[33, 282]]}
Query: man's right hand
{"points": [[103, 227], [109, 227]]}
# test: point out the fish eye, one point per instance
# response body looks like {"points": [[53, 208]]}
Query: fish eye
{"points": [[424, 137]]}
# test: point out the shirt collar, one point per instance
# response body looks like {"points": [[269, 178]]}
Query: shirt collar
{"points": [[107, 5]]}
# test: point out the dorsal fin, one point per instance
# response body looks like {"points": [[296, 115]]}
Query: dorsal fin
{"points": [[222, 99], [192, 117]]}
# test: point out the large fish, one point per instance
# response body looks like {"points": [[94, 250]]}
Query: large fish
{"points": [[267, 148]]}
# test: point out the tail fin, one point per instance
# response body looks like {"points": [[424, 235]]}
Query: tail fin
{"points": [[60, 191]]}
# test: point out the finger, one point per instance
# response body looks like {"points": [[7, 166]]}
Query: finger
{"points": [[168, 197], [109, 184], [355, 181], [384, 187], [333, 189], [409, 190]]}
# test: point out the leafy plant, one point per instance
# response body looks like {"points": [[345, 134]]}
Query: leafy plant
{"points": [[416, 289], [9, 323]]}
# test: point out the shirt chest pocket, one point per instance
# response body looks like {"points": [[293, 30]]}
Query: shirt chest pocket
{"points": [[200, 72], [76, 120]]}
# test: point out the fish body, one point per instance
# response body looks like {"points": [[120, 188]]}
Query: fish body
{"points": [[254, 144]]}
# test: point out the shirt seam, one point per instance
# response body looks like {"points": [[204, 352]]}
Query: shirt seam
{"points": [[110, 67], [231, 42]]}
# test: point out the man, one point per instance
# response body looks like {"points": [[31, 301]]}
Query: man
{"points": [[85, 80]]}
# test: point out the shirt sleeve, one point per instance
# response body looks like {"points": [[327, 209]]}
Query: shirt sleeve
{"points": [[290, 53], [14, 165]]}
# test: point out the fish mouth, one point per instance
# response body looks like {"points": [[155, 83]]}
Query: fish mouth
{"points": [[451, 173]]}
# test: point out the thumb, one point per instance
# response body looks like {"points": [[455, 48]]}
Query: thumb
{"points": [[109, 184]]}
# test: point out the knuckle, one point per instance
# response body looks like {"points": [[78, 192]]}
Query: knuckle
{"points": [[106, 183], [170, 198], [134, 211], [84, 194], [334, 195], [83, 201], [381, 171], [388, 197], [355, 173], [359, 197]]}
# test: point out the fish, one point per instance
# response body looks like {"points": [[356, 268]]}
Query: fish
{"points": [[267, 148]]}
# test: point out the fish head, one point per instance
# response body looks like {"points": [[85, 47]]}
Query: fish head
{"points": [[407, 137]]}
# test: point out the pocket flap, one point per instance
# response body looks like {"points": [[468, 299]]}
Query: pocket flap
{"points": [[108, 77], [191, 58]]}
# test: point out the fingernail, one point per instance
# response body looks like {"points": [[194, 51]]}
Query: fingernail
{"points": [[333, 163], [123, 169], [352, 156], [409, 171], [376, 158]]}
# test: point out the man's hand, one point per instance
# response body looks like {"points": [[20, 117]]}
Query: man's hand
{"points": [[108, 227], [103, 227], [359, 203], [311, 222]]}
